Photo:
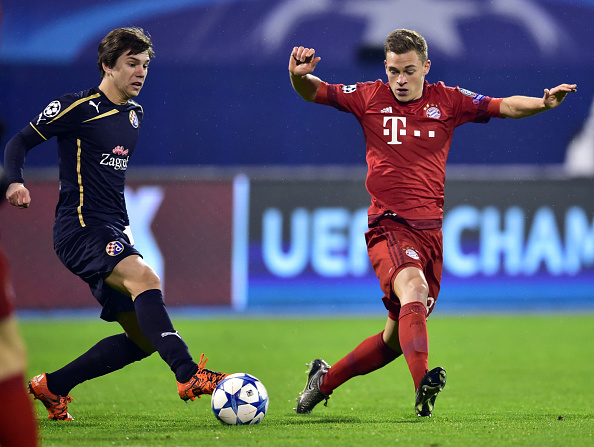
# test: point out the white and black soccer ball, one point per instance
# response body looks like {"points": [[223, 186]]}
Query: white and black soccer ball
{"points": [[240, 399]]}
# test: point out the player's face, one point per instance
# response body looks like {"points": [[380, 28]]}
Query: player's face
{"points": [[127, 76], [406, 75]]}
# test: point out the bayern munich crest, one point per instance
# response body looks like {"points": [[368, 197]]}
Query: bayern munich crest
{"points": [[114, 248], [433, 112], [133, 119], [411, 253]]}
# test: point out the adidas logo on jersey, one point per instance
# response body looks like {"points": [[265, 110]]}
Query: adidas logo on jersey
{"points": [[387, 110]]}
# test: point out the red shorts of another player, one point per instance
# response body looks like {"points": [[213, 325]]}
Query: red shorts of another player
{"points": [[392, 246]]}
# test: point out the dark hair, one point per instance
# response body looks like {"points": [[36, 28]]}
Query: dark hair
{"points": [[402, 41], [133, 39]]}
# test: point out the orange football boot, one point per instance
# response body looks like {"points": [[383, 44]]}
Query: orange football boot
{"points": [[57, 406], [203, 382]]}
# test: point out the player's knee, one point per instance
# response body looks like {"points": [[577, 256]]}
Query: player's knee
{"points": [[145, 277], [142, 281], [150, 279], [417, 290], [414, 291], [420, 291], [410, 285]]}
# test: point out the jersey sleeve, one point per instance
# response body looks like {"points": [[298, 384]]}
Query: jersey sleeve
{"points": [[346, 98], [58, 118], [474, 107], [16, 151]]}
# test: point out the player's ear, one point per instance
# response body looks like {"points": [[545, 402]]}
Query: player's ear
{"points": [[106, 69], [426, 67]]}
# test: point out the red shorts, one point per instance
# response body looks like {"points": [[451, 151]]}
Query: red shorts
{"points": [[393, 246]]}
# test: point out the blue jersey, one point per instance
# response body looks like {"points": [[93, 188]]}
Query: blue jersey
{"points": [[95, 141]]}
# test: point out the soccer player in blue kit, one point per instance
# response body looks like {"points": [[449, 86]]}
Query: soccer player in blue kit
{"points": [[97, 130]]}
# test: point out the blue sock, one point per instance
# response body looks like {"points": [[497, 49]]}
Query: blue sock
{"points": [[110, 354], [156, 325]]}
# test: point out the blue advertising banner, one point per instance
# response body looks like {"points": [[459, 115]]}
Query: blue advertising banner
{"points": [[508, 246]]}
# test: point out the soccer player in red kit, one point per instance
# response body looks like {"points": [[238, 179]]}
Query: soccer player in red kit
{"points": [[408, 125], [18, 427]]}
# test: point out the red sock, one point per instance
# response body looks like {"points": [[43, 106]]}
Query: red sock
{"points": [[371, 354], [18, 427], [412, 330]]}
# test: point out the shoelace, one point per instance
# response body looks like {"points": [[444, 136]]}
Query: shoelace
{"points": [[202, 363], [61, 408], [204, 378]]}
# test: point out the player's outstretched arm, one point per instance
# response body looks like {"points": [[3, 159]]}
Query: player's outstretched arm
{"points": [[302, 63], [523, 106]]}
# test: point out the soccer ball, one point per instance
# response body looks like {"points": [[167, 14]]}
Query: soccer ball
{"points": [[240, 399]]}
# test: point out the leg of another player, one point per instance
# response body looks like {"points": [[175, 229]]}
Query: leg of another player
{"points": [[410, 286], [18, 427], [134, 277]]}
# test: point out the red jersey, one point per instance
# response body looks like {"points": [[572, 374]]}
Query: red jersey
{"points": [[408, 143]]}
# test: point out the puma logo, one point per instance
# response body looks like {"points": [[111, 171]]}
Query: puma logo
{"points": [[95, 105], [165, 334]]}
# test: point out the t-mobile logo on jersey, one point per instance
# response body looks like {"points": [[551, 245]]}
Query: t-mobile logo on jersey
{"points": [[395, 126]]}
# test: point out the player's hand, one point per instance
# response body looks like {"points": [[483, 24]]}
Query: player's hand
{"points": [[18, 195], [555, 96], [303, 61]]}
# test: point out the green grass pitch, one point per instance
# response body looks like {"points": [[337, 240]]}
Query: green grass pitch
{"points": [[512, 381]]}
